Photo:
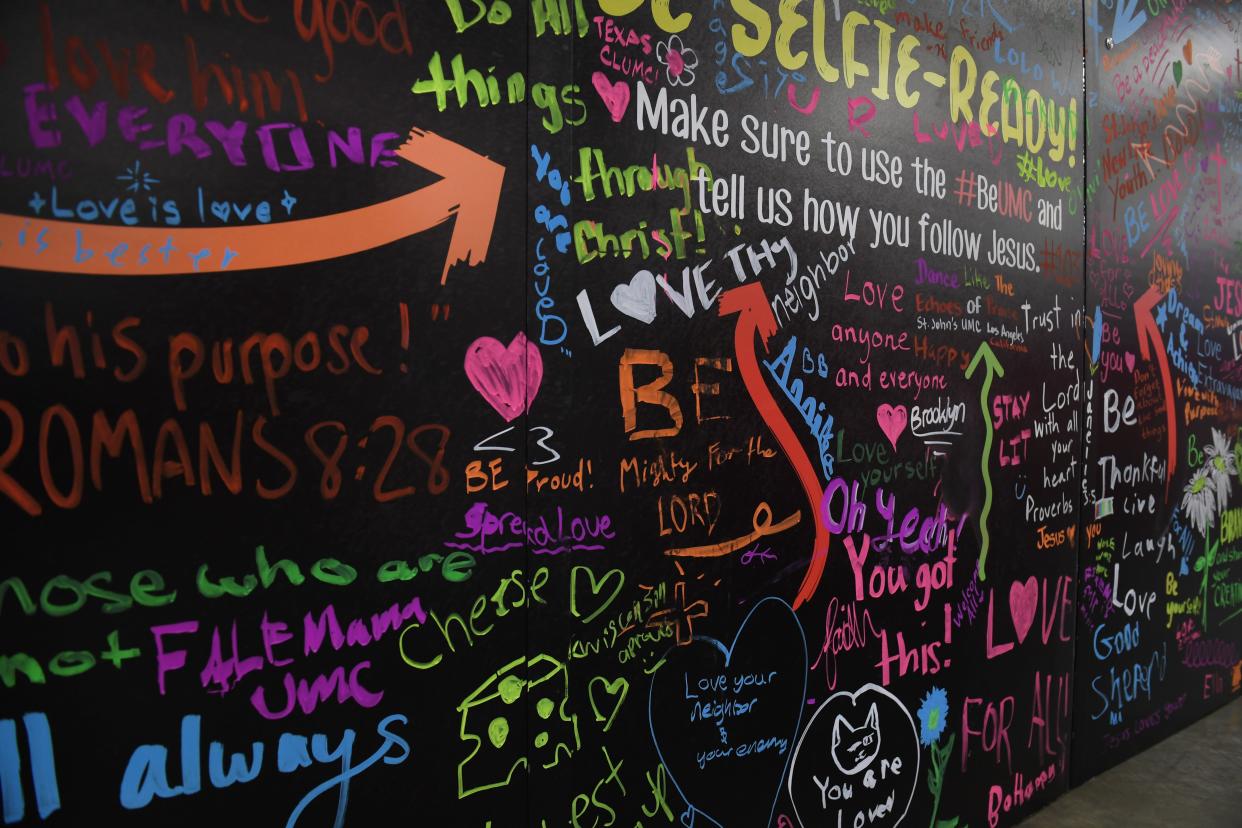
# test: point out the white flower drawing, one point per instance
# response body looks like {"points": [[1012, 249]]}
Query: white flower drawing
{"points": [[1199, 501], [679, 61], [1221, 466]]}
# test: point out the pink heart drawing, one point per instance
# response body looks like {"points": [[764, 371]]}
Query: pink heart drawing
{"points": [[616, 96], [1130, 362], [892, 420], [508, 378], [1023, 599]]}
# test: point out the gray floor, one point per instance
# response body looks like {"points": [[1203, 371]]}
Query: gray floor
{"points": [[1193, 779]]}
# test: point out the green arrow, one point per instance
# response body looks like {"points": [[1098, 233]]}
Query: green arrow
{"points": [[984, 354]]}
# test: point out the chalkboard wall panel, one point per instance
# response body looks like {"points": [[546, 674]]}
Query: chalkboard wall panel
{"points": [[1160, 640], [724, 320], [367, 404], [696, 409]]}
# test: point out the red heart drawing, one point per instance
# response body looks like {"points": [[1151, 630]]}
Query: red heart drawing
{"points": [[616, 96], [1023, 600], [508, 378]]}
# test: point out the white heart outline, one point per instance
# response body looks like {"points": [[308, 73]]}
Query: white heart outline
{"points": [[853, 697]]}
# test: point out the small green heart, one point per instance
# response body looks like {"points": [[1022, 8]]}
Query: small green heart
{"points": [[611, 688], [596, 588], [1177, 72]]}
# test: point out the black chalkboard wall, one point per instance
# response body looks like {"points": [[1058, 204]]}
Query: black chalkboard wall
{"points": [[1159, 595], [607, 412]]}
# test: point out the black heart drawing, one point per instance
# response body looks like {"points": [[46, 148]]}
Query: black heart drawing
{"points": [[724, 719], [857, 758]]}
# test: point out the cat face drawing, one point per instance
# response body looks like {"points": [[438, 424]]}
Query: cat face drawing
{"points": [[853, 748]]}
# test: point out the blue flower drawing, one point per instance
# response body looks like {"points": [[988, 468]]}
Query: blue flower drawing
{"points": [[932, 715]]}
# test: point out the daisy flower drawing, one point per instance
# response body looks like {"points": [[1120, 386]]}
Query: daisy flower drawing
{"points": [[679, 61], [1221, 465], [1199, 501], [1206, 497]]}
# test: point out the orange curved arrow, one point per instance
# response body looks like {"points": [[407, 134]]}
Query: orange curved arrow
{"points": [[1148, 330], [469, 190], [755, 317]]}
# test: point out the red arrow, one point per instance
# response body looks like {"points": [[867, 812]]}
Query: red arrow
{"points": [[469, 190], [1149, 330], [755, 317]]}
